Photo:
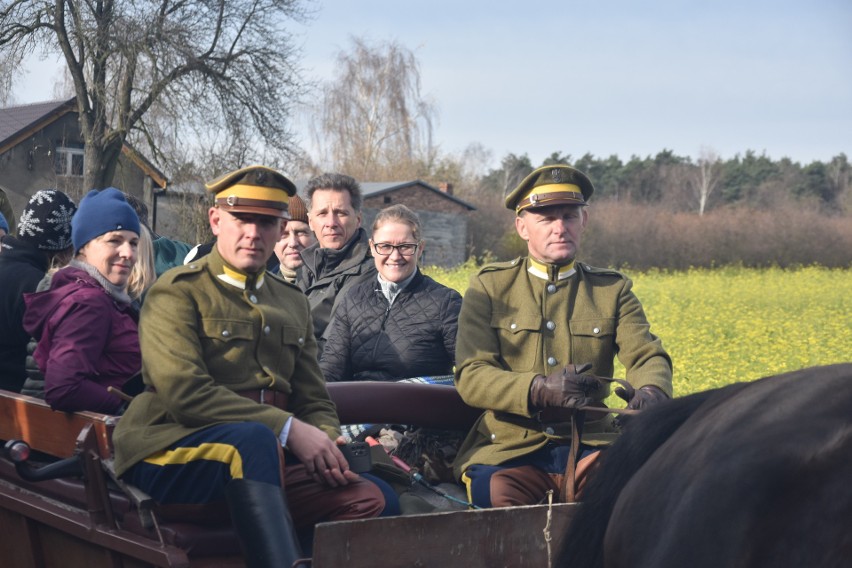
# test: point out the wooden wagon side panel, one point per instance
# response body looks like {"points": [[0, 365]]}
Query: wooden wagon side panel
{"points": [[467, 539]]}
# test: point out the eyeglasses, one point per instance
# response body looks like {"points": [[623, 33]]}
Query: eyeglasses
{"points": [[386, 249]]}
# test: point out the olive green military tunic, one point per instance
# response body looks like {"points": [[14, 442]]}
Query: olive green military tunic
{"points": [[208, 331], [515, 325]]}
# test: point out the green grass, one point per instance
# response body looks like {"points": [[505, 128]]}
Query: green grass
{"points": [[737, 324]]}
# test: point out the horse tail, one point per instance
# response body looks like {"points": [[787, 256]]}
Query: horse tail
{"points": [[643, 434]]}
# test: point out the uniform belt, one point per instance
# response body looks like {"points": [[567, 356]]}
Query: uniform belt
{"points": [[267, 396], [263, 396]]}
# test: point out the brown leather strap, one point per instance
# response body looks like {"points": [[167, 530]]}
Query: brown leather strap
{"points": [[543, 198], [232, 201], [569, 489], [267, 396]]}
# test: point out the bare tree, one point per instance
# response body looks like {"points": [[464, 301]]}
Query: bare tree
{"points": [[709, 166], [9, 61], [229, 62], [372, 120]]}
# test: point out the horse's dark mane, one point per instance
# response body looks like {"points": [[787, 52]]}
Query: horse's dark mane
{"points": [[644, 433]]}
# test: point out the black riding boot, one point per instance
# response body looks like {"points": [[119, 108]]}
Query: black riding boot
{"points": [[262, 523]]}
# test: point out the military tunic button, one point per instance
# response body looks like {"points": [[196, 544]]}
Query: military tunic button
{"points": [[513, 326], [266, 330], [551, 288], [253, 299], [192, 266], [548, 431], [551, 325], [226, 333], [551, 361], [493, 437], [301, 341], [596, 330]]}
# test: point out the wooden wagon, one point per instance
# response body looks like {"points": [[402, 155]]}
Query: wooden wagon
{"points": [[80, 515]]}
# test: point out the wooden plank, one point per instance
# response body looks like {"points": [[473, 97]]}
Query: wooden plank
{"points": [[31, 420], [470, 539]]}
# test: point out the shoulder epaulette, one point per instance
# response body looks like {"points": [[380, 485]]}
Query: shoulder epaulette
{"points": [[181, 271], [505, 265], [601, 271]]}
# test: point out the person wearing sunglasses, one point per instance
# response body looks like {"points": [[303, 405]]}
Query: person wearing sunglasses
{"points": [[401, 323]]}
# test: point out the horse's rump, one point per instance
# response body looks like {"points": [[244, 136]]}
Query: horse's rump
{"points": [[753, 474]]}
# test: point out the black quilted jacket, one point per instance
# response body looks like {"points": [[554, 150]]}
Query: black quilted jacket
{"points": [[370, 339]]}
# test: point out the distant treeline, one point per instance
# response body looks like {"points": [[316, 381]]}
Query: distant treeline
{"points": [[670, 211]]}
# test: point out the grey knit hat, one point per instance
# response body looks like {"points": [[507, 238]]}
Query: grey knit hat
{"points": [[46, 220]]}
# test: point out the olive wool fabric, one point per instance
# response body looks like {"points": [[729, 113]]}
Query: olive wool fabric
{"points": [[101, 212]]}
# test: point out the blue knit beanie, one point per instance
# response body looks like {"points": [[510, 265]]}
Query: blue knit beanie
{"points": [[101, 212], [3, 223]]}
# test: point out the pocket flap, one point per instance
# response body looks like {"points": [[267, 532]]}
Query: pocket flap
{"points": [[517, 322], [597, 327], [226, 329]]}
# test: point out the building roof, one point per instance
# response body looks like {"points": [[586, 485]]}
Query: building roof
{"points": [[370, 189], [17, 123]]}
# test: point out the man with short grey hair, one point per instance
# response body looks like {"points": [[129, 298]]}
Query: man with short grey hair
{"points": [[341, 256]]}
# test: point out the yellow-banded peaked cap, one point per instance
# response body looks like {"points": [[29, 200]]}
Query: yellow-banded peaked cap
{"points": [[551, 185], [253, 189]]}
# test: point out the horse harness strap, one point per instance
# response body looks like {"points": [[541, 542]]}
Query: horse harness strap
{"points": [[569, 488]]}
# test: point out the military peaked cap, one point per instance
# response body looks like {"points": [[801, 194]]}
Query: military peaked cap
{"points": [[551, 185], [254, 189]]}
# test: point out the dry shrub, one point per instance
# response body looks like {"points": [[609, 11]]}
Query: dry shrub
{"points": [[642, 237]]}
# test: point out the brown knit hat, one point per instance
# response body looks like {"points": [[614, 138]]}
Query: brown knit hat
{"points": [[298, 211]]}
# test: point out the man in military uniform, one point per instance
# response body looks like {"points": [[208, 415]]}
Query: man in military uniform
{"points": [[528, 331], [341, 257], [230, 362]]}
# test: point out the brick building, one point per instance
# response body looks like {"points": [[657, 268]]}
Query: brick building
{"points": [[444, 217]]}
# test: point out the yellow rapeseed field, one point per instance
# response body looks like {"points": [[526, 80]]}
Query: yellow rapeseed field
{"points": [[737, 324]]}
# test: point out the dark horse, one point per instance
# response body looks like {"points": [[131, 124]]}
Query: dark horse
{"points": [[752, 474]]}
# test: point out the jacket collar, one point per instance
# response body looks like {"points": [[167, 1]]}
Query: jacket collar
{"points": [[550, 272], [22, 251], [324, 261], [233, 276]]}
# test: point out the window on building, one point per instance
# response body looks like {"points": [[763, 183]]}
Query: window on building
{"points": [[69, 160], [387, 199]]}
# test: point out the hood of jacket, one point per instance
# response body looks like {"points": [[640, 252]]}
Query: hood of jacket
{"points": [[40, 305]]}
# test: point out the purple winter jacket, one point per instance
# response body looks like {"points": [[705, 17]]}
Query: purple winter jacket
{"points": [[87, 341]]}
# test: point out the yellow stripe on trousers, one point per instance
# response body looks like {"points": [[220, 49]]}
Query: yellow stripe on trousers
{"points": [[224, 453], [468, 483]]}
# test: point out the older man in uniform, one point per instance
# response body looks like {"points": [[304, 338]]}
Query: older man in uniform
{"points": [[528, 331], [230, 363], [341, 257]]}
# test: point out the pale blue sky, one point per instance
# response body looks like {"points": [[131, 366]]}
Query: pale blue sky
{"points": [[613, 77]]}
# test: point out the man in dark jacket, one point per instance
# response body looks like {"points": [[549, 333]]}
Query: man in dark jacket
{"points": [[341, 257], [43, 238]]}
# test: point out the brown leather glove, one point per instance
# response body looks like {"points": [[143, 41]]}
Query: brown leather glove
{"points": [[565, 388], [646, 396]]}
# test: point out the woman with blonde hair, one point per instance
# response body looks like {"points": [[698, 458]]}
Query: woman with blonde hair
{"points": [[85, 324], [144, 274]]}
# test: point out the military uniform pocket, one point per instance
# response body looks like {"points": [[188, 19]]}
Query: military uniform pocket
{"points": [[592, 339], [520, 339], [228, 346], [292, 343]]}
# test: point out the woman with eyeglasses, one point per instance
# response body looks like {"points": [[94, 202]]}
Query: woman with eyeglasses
{"points": [[399, 326]]}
